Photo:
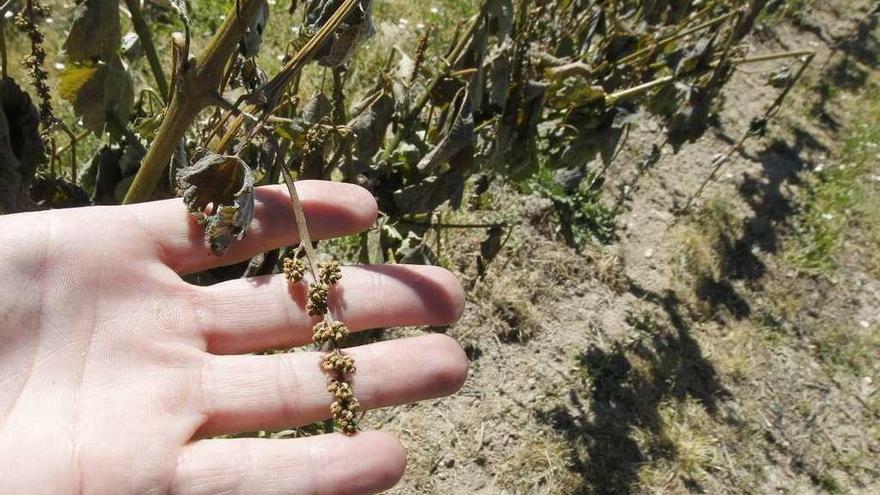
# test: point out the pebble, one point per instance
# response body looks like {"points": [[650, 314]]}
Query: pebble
{"points": [[649, 253]]}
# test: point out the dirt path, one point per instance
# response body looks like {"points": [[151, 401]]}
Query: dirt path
{"points": [[686, 356]]}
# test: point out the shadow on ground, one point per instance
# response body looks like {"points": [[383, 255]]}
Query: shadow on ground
{"points": [[621, 394]]}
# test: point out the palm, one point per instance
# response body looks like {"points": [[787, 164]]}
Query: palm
{"points": [[112, 369]]}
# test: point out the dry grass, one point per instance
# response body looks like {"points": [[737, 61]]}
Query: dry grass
{"points": [[538, 465]]}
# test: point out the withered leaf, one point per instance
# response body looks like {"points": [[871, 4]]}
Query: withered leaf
{"points": [[95, 33], [219, 192], [414, 251], [55, 192], [515, 147]]}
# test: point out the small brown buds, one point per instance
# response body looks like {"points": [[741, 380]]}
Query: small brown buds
{"points": [[340, 389], [338, 362], [330, 334], [317, 304], [329, 272], [294, 268], [334, 332], [345, 413]]}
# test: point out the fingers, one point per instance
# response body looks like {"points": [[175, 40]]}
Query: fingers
{"points": [[242, 316], [269, 392], [368, 462], [332, 209]]}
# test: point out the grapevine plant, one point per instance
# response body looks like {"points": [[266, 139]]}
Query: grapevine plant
{"points": [[521, 91]]}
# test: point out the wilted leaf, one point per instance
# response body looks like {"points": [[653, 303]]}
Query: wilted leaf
{"points": [[515, 147], [697, 56], [430, 193], [458, 138], [99, 93], [353, 31], [249, 45], [110, 172], [370, 126], [318, 107], [219, 191], [55, 192], [95, 33], [21, 149], [148, 126], [414, 251], [491, 246]]}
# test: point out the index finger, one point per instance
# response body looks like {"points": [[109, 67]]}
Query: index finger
{"points": [[332, 209]]}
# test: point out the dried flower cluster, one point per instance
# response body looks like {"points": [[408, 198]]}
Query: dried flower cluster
{"points": [[329, 334], [26, 21]]}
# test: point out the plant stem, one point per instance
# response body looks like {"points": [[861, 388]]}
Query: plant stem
{"points": [[637, 90], [4, 62], [302, 228], [772, 56], [195, 80], [146, 37]]}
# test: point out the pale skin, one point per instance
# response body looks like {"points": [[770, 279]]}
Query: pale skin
{"points": [[115, 373]]}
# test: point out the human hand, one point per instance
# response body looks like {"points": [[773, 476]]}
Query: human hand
{"points": [[114, 371]]}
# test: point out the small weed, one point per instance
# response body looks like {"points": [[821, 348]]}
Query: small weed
{"points": [[582, 216]]}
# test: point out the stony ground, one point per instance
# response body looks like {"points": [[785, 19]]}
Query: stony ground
{"points": [[724, 350]]}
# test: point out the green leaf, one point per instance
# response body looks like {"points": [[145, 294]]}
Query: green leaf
{"points": [[100, 93]]}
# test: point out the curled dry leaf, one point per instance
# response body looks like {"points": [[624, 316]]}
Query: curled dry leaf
{"points": [[219, 192], [318, 107], [515, 147]]}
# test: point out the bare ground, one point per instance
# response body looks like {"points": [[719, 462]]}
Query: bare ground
{"points": [[692, 354]]}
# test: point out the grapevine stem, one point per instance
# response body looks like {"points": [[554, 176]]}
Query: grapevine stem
{"points": [[193, 83]]}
